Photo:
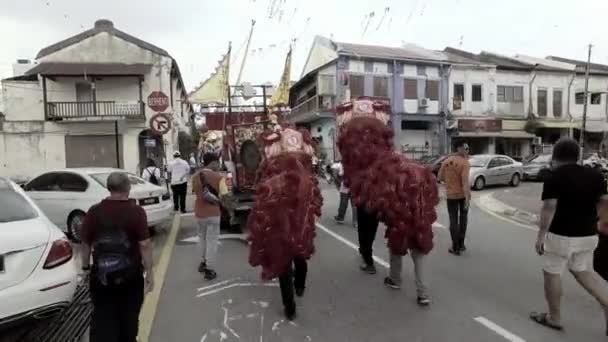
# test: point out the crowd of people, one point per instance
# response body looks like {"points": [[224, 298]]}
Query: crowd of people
{"points": [[116, 235]]}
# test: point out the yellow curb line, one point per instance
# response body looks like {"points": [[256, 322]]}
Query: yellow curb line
{"points": [[148, 311], [481, 206]]}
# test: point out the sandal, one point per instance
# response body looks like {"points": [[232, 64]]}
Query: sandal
{"points": [[543, 319]]}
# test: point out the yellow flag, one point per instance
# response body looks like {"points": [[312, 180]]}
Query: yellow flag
{"points": [[215, 88], [281, 95]]}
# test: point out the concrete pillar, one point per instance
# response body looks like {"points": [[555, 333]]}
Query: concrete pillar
{"points": [[492, 145]]}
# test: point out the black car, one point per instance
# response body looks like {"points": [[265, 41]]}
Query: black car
{"points": [[538, 167], [433, 162]]}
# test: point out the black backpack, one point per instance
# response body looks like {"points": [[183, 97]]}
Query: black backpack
{"points": [[113, 262], [153, 179]]}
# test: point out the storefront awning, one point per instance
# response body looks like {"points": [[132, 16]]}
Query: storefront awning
{"points": [[503, 134], [557, 124]]}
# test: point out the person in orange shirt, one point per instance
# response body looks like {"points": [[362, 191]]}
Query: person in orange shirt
{"points": [[454, 172], [209, 186]]}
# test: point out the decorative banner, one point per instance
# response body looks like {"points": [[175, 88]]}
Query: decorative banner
{"points": [[281, 95], [215, 88]]}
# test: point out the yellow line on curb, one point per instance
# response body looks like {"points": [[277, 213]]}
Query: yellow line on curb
{"points": [[148, 311]]}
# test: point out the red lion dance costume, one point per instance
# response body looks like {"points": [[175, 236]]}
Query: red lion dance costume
{"points": [[287, 202], [401, 192]]}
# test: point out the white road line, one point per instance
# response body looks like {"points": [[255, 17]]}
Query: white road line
{"points": [[350, 244], [220, 289], [439, 225], [499, 330], [216, 284]]}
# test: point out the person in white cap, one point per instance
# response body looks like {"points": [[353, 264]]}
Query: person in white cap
{"points": [[179, 171]]}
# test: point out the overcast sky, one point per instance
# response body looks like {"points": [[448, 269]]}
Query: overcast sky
{"points": [[197, 32]]}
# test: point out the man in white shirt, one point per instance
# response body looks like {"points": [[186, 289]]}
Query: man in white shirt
{"points": [[151, 173], [179, 171]]}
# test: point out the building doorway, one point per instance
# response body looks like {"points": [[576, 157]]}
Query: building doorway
{"points": [[151, 147]]}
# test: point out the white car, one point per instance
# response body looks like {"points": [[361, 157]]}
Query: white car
{"points": [[66, 195], [494, 169], [38, 273]]}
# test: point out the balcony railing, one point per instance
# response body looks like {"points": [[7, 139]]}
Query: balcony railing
{"points": [[94, 109], [319, 103]]}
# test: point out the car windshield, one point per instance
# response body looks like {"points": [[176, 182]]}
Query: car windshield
{"points": [[542, 159], [478, 161], [14, 207], [102, 179]]}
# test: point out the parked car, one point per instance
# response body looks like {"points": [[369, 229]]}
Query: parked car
{"points": [[538, 167], [433, 162], [494, 170], [66, 195], [38, 273]]}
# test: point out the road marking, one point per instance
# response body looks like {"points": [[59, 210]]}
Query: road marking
{"points": [[350, 244], [187, 214], [148, 311], [500, 217], [509, 336], [216, 284], [220, 289]]}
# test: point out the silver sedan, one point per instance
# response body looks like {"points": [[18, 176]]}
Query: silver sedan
{"points": [[492, 169]]}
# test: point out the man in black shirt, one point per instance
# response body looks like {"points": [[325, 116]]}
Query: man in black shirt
{"points": [[568, 229]]}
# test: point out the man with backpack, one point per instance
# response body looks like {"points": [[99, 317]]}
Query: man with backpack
{"points": [[116, 231], [209, 186], [151, 173]]}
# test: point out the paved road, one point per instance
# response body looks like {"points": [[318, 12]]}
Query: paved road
{"points": [[485, 295], [526, 197]]}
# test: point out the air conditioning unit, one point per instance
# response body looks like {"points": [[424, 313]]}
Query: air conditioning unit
{"points": [[423, 103]]}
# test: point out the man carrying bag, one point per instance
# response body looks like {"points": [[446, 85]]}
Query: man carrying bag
{"points": [[209, 186]]}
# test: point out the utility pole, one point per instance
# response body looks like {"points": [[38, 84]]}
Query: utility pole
{"points": [[581, 138]]}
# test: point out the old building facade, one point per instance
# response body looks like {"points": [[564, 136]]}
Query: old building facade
{"points": [[87, 101]]}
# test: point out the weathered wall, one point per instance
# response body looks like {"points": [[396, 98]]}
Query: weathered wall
{"points": [[22, 100], [320, 53], [469, 76], [513, 78]]}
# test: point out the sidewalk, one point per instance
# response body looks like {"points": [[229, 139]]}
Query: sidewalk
{"points": [[521, 204]]}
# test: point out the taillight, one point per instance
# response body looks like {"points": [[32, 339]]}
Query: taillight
{"points": [[61, 252]]}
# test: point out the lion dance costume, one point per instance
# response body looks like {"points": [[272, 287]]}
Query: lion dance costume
{"points": [[400, 192], [287, 202]]}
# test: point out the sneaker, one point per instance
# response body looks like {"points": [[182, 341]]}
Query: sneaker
{"points": [[290, 312], [423, 301], [202, 267], [369, 269], [210, 275], [300, 291], [391, 283], [339, 220]]}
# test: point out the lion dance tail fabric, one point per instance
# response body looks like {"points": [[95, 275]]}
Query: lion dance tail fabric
{"points": [[402, 192], [287, 203]]}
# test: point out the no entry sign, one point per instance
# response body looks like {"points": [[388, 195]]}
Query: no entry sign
{"points": [[158, 101], [160, 123]]}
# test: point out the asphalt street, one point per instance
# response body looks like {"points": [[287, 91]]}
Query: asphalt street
{"points": [[526, 197], [485, 295]]}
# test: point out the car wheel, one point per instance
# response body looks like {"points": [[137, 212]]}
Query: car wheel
{"points": [[75, 221], [515, 180], [479, 183]]}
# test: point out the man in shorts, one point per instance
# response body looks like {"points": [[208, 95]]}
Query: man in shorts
{"points": [[568, 232]]}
